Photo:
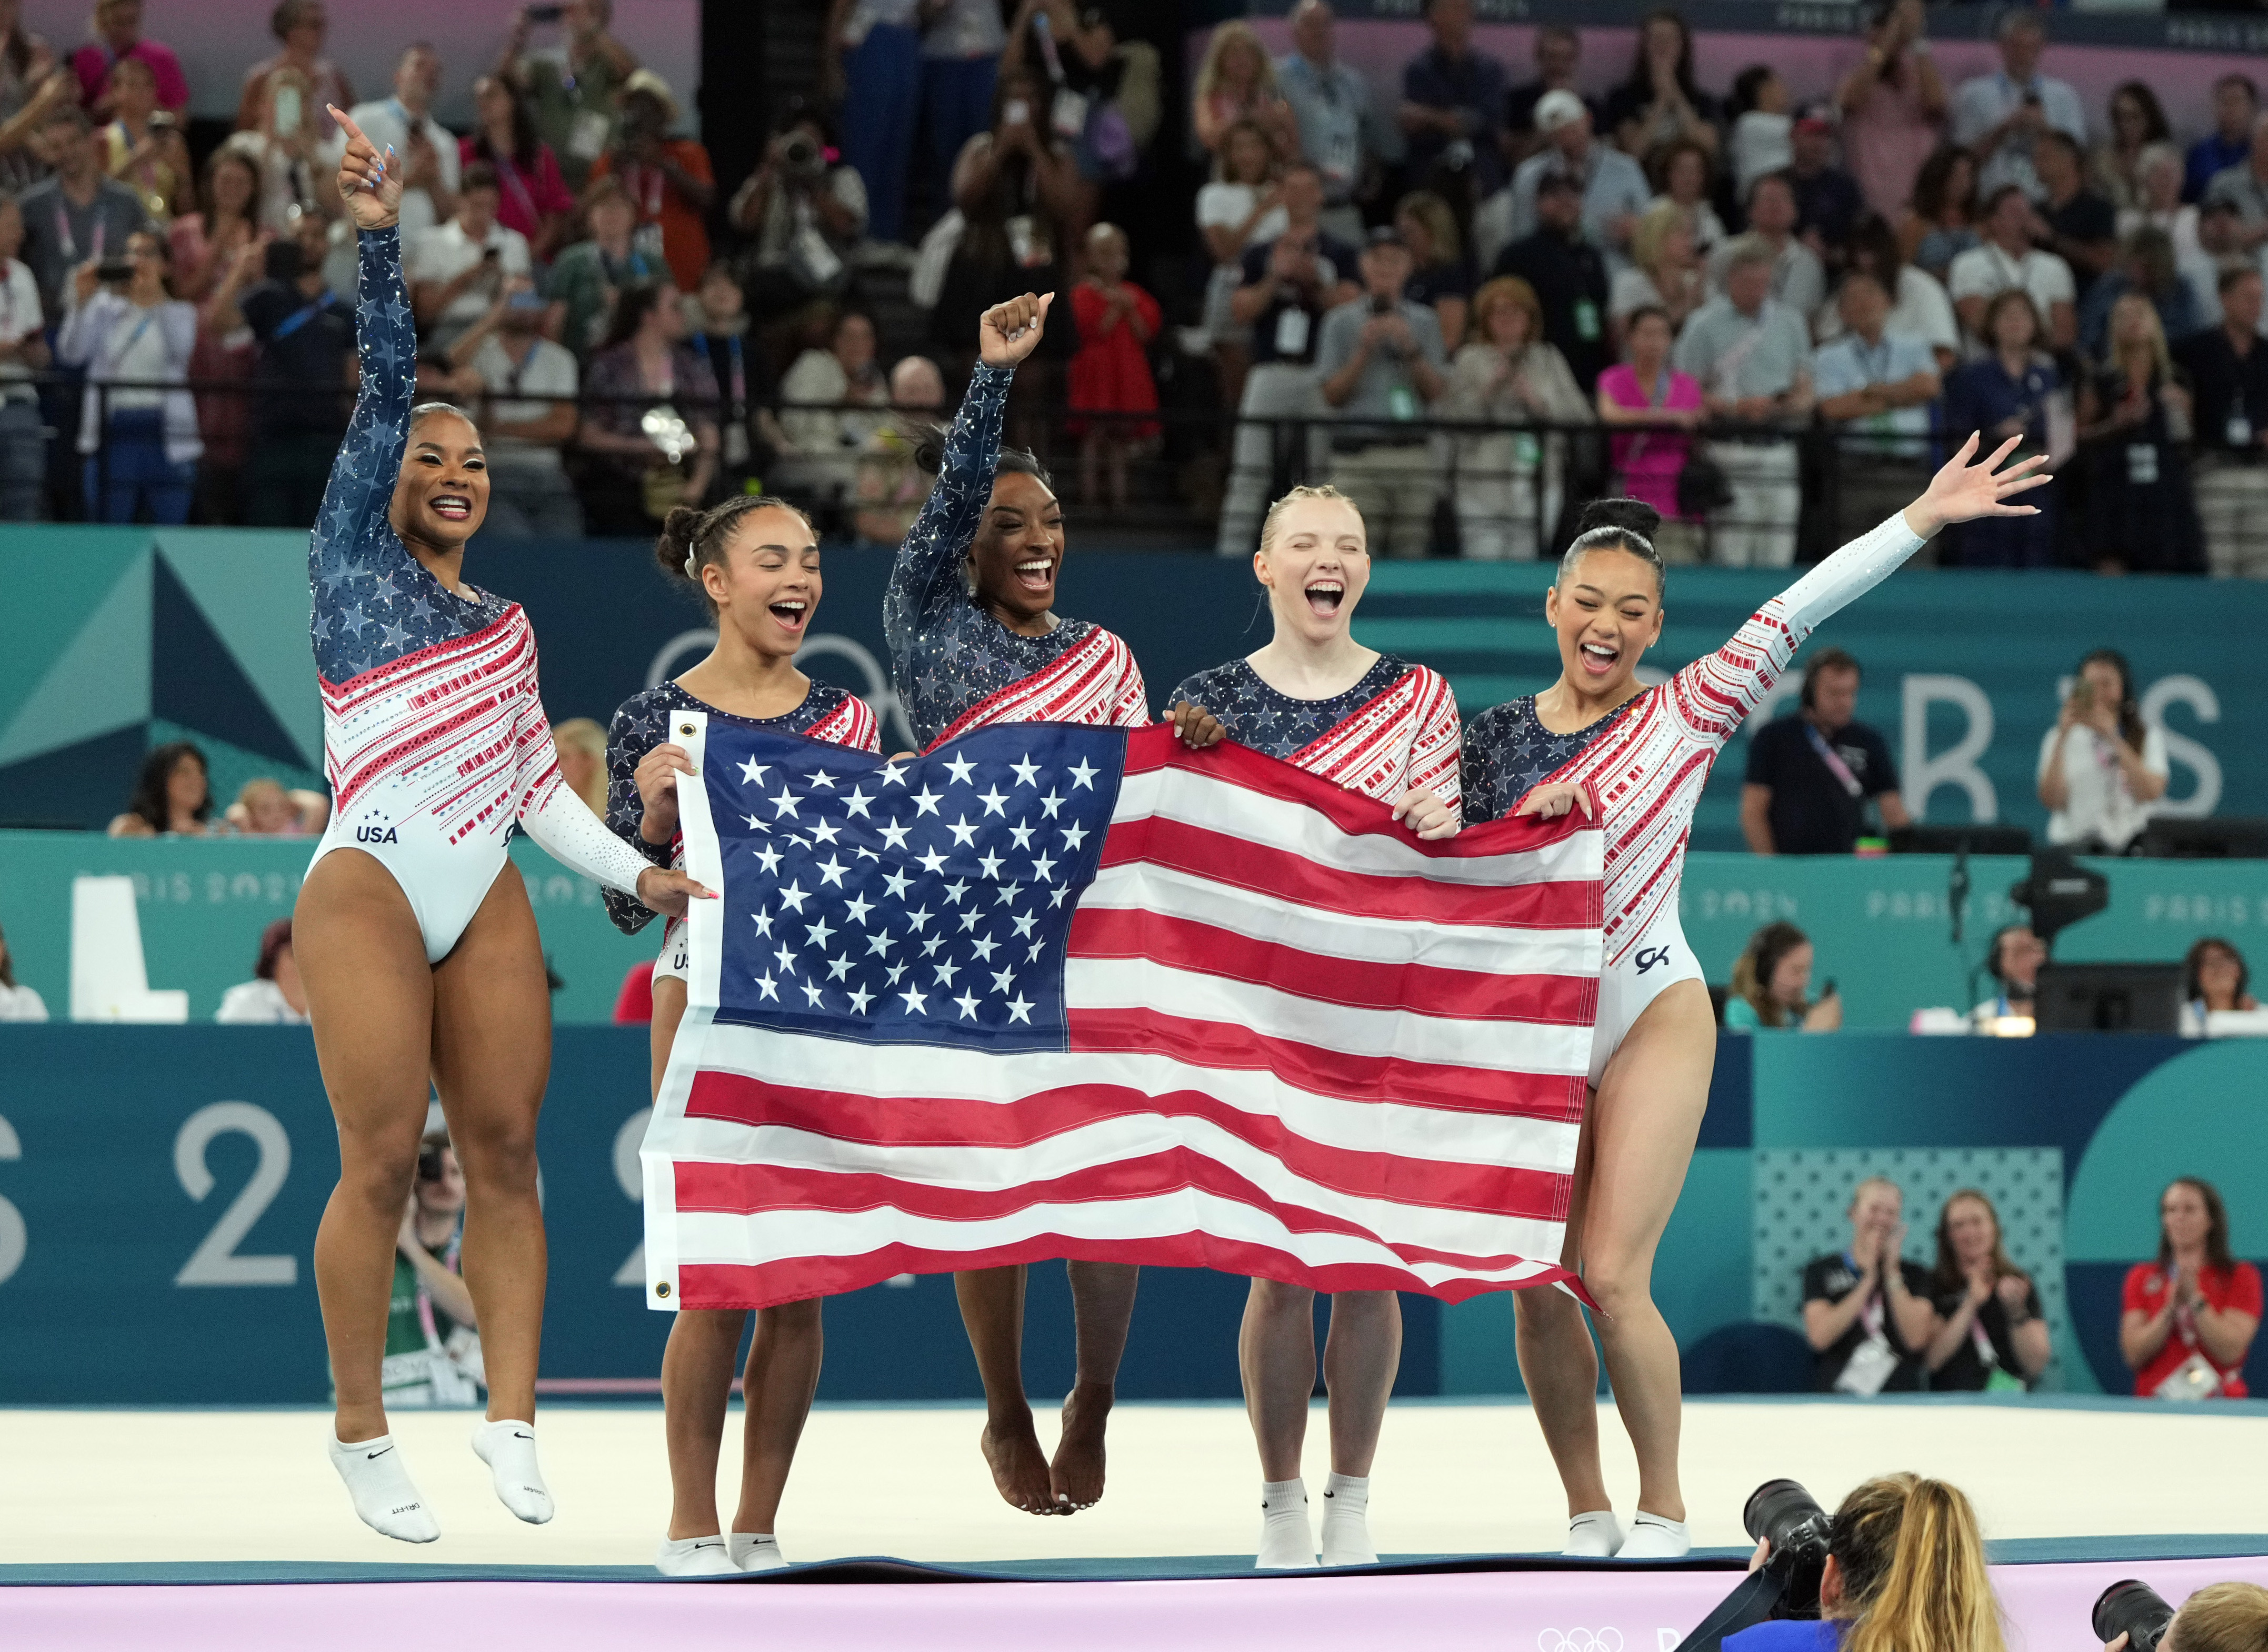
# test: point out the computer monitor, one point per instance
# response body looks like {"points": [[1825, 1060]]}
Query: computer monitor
{"points": [[1983, 837], [2210, 839], [2108, 998]]}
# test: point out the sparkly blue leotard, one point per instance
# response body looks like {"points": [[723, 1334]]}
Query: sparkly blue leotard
{"points": [[1509, 752]]}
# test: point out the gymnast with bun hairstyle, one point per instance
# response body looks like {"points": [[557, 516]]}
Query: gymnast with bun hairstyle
{"points": [[754, 563], [413, 933], [1635, 759]]}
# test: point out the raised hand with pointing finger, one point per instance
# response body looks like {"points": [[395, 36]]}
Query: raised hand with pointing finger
{"points": [[369, 183]]}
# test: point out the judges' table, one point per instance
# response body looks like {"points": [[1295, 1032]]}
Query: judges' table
{"points": [[159, 1188]]}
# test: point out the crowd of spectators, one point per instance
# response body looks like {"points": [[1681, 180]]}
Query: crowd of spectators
{"points": [[1785, 311], [1971, 1319]]}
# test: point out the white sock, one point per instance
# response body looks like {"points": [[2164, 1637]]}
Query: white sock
{"points": [[694, 1557], [1287, 1540], [1346, 1522], [756, 1551], [1653, 1539], [1597, 1535], [508, 1447], [381, 1489]]}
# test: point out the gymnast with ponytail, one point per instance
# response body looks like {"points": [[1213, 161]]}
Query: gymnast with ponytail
{"points": [[752, 562], [1637, 758]]}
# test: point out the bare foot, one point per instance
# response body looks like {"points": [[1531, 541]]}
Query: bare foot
{"points": [[1019, 1468], [1077, 1471]]}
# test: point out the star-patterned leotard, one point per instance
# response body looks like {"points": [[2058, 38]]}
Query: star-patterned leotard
{"points": [[1509, 753], [434, 736], [1392, 732], [827, 713], [955, 667]]}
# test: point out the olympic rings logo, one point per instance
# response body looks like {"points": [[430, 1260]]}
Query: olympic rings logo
{"points": [[1579, 1641]]}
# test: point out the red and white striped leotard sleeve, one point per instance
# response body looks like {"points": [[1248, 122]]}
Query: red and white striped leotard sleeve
{"points": [[1409, 738], [1648, 770]]}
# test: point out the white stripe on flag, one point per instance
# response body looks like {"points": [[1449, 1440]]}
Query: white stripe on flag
{"points": [[1141, 886], [1219, 804], [894, 1072], [713, 1237], [1114, 983]]}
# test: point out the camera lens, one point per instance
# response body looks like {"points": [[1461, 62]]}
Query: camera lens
{"points": [[2133, 1609], [1781, 1513]]}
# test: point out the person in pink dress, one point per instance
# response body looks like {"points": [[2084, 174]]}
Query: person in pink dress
{"points": [[118, 33], [1110, 373], [1894, 106], [1646, 392]]}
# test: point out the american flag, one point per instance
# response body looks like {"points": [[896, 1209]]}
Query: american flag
{"points": [[1057, 991]]}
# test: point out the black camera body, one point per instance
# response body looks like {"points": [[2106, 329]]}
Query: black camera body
{"points": [[115, 272], [2133, 1609], [1780, 1512], [802, 157]]}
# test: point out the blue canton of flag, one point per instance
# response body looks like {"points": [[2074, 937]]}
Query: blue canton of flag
{"points": [[924, 901]]}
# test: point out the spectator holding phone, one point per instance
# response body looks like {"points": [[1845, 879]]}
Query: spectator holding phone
{"points": [[576, 87], [1866, 1310], [1991, 1337], [2100, 766], [432, 1340], [301, 26], [2192, 1315], [1997, 117], [458, 271], [125, 328], [1771, 986]]}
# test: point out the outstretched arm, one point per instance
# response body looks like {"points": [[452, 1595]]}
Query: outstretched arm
{"points": [[353, 521], [1714, 693], [928, 562]]}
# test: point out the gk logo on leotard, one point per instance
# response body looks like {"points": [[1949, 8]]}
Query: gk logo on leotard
{"points": [[375, 834], [1649, 955]]}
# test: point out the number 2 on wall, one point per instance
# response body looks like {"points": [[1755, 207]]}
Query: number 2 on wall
{"points": [[215, 1261]]}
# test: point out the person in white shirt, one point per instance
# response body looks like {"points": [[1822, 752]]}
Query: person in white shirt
{"points": [[1614, 186], [2101, 767], [133, 334], [457, 271], [275, 996], [1996, 116], [1798, 280], [1752, 356], [1238, 208], [17, 1003], [1874, 386], [527, 416], [2005, 258], [425, 151], [23, 352], [1918, 304]]}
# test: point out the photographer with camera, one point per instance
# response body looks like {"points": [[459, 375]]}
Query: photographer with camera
{"points": [[667, 179], [432, 1344], [1899, 1568], [2132, 1617], [806, 212], [125, 328], [1866, 1312]]}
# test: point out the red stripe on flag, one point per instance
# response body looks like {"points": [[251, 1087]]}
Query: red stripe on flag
{"points": [[1497, 1190], [1157, 747], [765, 1285], [1268, 869], [1212, 1045], [1427, 989]]}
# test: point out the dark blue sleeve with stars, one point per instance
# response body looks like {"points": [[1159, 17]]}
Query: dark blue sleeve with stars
{"points": [[641, 723], [927, 902], [1268, 719], [374, 602], [946, 653], [1508, 753]]}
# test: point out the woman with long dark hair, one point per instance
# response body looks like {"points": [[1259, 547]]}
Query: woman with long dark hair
{"points": [[2100, 766], [2137, 121], [1387, 730], [531, 195], [173, 797], [644, 364], [412, 931], [1990, 1333], [754, 563], [1659, 102], [1942, 223], [2190, 1316], [1599, 740], [2215, 979], [1771, 986], [974, 641]]}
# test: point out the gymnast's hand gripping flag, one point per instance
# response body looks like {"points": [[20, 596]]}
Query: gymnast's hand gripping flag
{"points": [[1057, 991]]}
